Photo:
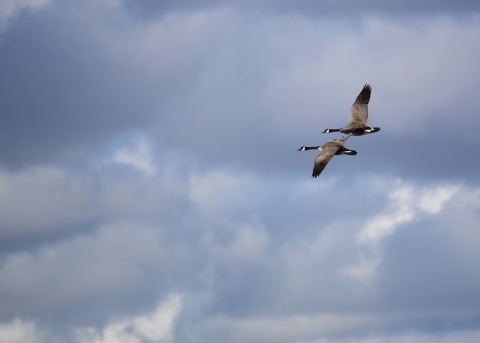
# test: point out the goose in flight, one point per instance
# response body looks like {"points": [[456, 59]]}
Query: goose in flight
{"points": [[328, 150], [357, 126]]}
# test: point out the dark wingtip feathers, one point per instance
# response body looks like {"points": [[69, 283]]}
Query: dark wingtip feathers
{"points": [[364, 96], [366, 93]]}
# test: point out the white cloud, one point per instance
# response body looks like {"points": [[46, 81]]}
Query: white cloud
{"points": [[156, 326], [124, 260], [432, 200], [18, 331], [136, 154], [407, 203]]}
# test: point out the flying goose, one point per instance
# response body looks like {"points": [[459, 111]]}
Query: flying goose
{"points": [[328, 150], [357, 126]]}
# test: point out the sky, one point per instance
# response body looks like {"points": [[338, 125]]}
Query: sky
{"points": [[151, 189]]}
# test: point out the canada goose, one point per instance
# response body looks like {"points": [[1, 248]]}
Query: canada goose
{"points": [[357, 126], [328, 150]]}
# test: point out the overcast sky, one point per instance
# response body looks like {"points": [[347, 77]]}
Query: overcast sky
{"points": [[151, 189]]}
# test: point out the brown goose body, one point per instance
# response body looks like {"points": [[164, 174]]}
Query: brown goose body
{"points": [[357, 126], [328, 150]]}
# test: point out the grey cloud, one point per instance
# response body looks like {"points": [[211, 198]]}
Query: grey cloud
{"points": [[421, 275], [280, 101], [216, 247], [221, 208], [240, 255], [90, 278], [221, 84], [48, 201], [10, 10], [64, 94], [150, 8]]}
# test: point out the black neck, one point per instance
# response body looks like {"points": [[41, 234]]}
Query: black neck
{"points": [[312, 147]]}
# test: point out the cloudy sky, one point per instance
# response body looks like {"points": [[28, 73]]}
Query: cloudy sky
{"points": [[151, 189]]}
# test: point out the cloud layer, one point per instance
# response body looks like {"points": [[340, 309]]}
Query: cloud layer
{"points": [[151, 191], [246, 269]]}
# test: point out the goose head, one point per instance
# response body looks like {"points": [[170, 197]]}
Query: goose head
{"points": [[303, 148]]}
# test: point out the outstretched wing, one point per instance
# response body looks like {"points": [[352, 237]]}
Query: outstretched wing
{"points": [[359, 109], [323, 158]]}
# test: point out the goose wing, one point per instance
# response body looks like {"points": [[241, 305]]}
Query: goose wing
{"points": [[359, 109], [329, 150]]}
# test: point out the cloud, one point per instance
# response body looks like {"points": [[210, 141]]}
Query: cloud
{"points": [[52, 201], [136, 154], [41, 199], [279, 77], [289, 329], [218, 193], [302, 73], [157, 326], [321, 7], [210, 200], [243, 270], [406, 204], [18, 331], [453, 337], [9, 9]]}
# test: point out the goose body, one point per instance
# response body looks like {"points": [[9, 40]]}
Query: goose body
{"points": [[357, 126], [328, 150]]}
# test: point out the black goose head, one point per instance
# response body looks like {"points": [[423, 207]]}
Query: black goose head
{"points": [[331, 130], [303, 148]]}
